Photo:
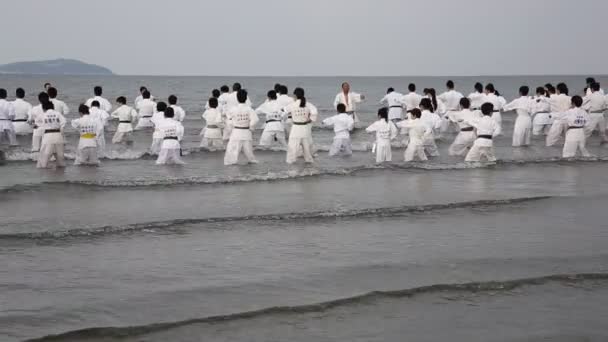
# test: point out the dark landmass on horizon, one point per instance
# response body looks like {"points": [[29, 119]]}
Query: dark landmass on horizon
{"points": [[54, 67]]}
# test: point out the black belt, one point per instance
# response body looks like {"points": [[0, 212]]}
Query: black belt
{"points": [[301, 123], [5, 119], [212, 127], [395, 107], [575, 127], [272, 120], [20, 120], [52, 131], [495, 111], [146, 117], [125, 121], [596, 113], [483, 136], [170, 138], [241, 127], [289, 116], [467, 129]]}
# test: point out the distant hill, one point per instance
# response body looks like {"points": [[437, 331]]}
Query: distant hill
{"points": [[54, 67]]}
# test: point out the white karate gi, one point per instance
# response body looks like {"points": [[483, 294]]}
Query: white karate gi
{"points": [[301, 131], [35, 113], [385, 132], [542, 115], [126, 116], [7, 130], [343, 124], [51, 122], [231, 103], [419, 133], [104, 104], [285, 100], [483, 147], [434, 122], [498, 103], [451, 100], [157, 136], [242, 119], [172, 133], [146, 109], [22, 119], [61, 107], [395, 107], [179, 113], [212, 133], [466, 137], [596, 104], [89, 128], [102, 116], [274, 130], [411, 100], [522, 130], [575, 120], [350, 100], [477, 99], [140, 98], [559, 105]]}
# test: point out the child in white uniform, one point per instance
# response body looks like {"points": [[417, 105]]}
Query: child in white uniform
{"points": [[385, 132], [343, 124]]}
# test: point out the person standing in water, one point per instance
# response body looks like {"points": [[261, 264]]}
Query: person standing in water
{"points": [[242, 119], [125, 115], [52, 123], [22, 114], [523, 106], [487, 129], [104, 104], [303, 115], [385, 132], [575, 120], [350, 100], [274, 130], [419, 132], [395, 108], [466, 137], [343, 124], [89, 128], [596, 104], [7, 114], [172, 133]]}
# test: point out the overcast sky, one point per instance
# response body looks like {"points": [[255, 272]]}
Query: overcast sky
{"points": [[312, 37]]}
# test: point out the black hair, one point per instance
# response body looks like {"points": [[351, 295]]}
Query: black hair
{"points": [[215, 93], [213, 103], [95, 104], [161, 106], [590, 80], [47, 105], [478, 87], [225, 89], [142, 88], [83, 109], [487, 108], [172, 100], [416, 113], [465, 103], [496, 92], [383, 113], [145, 94], [46, 84], [524, 90], [169, 112], [390, 90], [562, 88], [595, 86], [450, 84], [20, 93], [97, 91], [284, 90], [541, 91], [550, 88], [3, 93], [242, 95], [341, 108], [43, 97], [277, 87], [52, 92], [490, 88], [236, 87], [431, 91], [122, 100], [426, 104], [411, 87], [299, 93], [272, 95], [577, 101]]}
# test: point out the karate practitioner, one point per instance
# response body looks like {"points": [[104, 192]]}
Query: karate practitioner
{"points": [[102, 117], [433, 121], [157, 136], [419, 133], [477, 97], [523, 106], [212, 133], [451, 100], [35, 113], [125, 115], [180, 113], [303, 115], [575, 119], [215, 93], [487, 129], [89, 128], [23, 110], [60, 106], [541, 109], [104, 104], [412, 99], [140, 97], [146, 109], [465, 139], [52, 123], [560, 103], [385, 132], [497, 103], [223, 99], [231, 103], [172, 132], [274, 131], [350, 100], [284, 100], [242, 119], [395, 108], [7, 114], [595, 104], [343, 124], [588, 88]]}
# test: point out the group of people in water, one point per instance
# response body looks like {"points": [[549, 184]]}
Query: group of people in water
{"points": [[230, 119]]}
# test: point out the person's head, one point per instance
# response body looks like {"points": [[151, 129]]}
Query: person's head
{"points": [[277, 87], [121, 100], [145, 94], [540, 91], [172, 100], [47, 105], [383, 113], [98, 91], [52, 91], [550, 88], [562, 88], [390, 90], [43, 97], [345, 87], [215, 93], [450, 84], [95, 104], [341, 108], [213, 103], [161, 107], [524, 90], [589, 80], [225, 89], [284, 90], [577, 101], [595, 87], [242, 95], [425, 91], [490, 88], [272, 95], [465, 103], [299, 94], [20, 93], [236, 87], [478, 87], [3, 93], [47, 85], [142, 89], [411, 87], [425, 104], [487, 108], [169, 113], [416, 113], [83, 109]]}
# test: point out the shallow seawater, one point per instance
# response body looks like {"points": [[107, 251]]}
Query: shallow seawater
{"points": [[342, 250]]}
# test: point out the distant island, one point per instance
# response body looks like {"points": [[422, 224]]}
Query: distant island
{"points": [[54, 67]]}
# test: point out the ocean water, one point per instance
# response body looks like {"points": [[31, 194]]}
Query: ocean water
{"points": [[342, 250]]}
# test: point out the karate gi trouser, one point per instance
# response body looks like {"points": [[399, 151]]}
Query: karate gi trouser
{"points": [[478, 152], [522, 131], [234, 148], [575, 140], [37, 139], [101, 145], [430, 147], [383, 152], [87, 156], [8, 135], [168, 156], [463, 142], [269, 137], [156, 145], [144, 123], [541, 129], [414, 150], [555, 132], [120, 137], [209, 143], [597, 120], [22, 128], [341, 145], [299, 143], [49, 149]]}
